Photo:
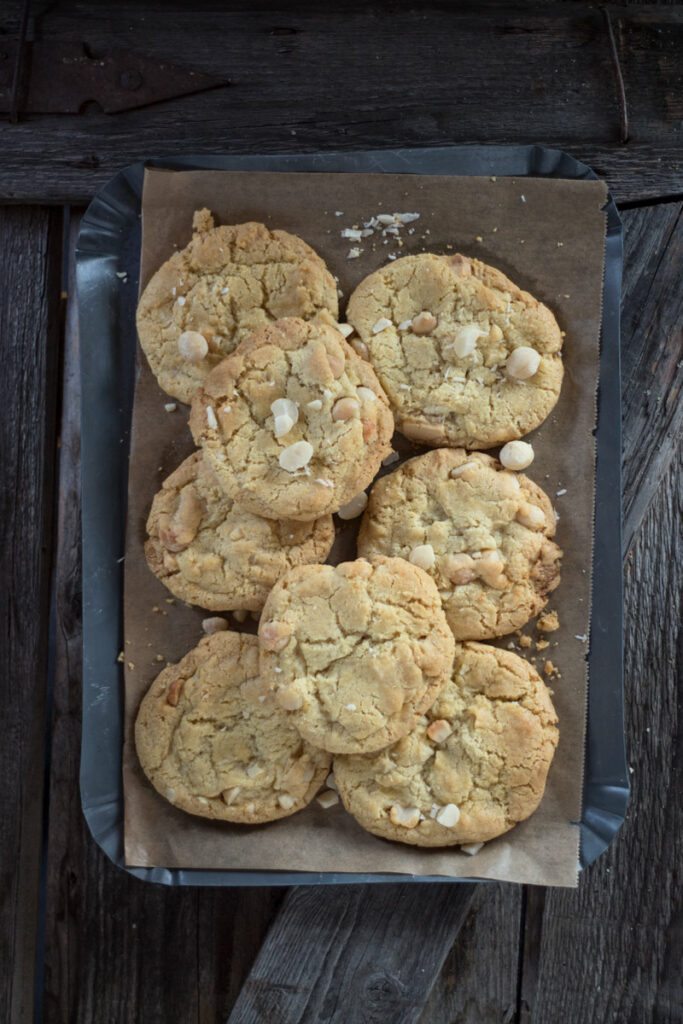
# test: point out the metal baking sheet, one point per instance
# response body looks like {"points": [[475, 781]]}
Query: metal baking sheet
{"points": [[109, 241]]}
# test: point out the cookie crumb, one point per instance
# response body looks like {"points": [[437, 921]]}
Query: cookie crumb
{"points": [[548, 623], [525, 641], [542, 644], [121, 656], [551, 670]]}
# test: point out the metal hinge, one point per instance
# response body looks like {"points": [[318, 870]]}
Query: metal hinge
{"points": [[61, 78]]}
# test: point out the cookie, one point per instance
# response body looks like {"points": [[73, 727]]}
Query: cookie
{"points": [[481, 532], [356, 652], [474, 767], [464, 355], [293, 423], [227, 283], [213, 741], [209, 552]]}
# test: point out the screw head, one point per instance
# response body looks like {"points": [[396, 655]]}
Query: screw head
{"points": [[130, 80]]}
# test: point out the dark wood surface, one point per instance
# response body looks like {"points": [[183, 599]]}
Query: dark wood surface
{"points": [[29, 322], [357, 75], [81, 941]]}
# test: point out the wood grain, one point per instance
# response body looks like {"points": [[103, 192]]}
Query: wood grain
{"points": [[354, 76], [611, 950], [116, 949], [479, 979], [29, 314], [652, 354], [361, 954]]}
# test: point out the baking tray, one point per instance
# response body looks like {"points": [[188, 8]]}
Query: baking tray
{"points": [[109, 243]]}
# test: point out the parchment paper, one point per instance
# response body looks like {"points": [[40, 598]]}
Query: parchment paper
{"points": [[548, 236]]}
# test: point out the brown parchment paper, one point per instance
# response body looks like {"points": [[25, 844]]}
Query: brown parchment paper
{"points": [[548, 236]]}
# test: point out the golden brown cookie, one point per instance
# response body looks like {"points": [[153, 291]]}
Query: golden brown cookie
{"points": [[481, 532], [474, 767], [293, 423], [227, 283], [464, 355], [213, 741], [355, 652], [209, 552]]}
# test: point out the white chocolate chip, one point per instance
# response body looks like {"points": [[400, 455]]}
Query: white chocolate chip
{"points": [[381, 325], [282, 425], [390, 459], [289, 698], [530, 516], [327, 799], [523, 362], [449, 816], [170, 794], [355, 507], [345, 409], [345, 329], [439, 730], [405, 324], [211, 418], [230, 795], [350, 707], [254, 769], [316, 404], [181, 300], [170, 407], [459, 569], [353, 254], [424, 323], [366, 394], [406, 817], [471, 848], [516, 455], [193, 346], [330, 781], [325, 483], [285, 407], [240, 614], [466, 339], [423, 556], [286, 801], [215, 624], [296, 456]]}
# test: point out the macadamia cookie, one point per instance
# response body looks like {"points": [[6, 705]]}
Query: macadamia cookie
{"points": [[293, 423], [355, 653], [474, 767], [211, 553], [482, 533], [227, 283], [213, 741], [464, 355]]}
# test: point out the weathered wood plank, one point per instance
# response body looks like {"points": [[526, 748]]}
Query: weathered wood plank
{"points": [[611, 950], [29, 316], [353, 954], [652, 370], [478, 982], [118, 950], [357, 75]]}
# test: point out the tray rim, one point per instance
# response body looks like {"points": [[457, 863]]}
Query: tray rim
{"points": [[115, 208]]}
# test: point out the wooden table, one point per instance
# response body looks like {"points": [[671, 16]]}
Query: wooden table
{"points": [[79, 939]]}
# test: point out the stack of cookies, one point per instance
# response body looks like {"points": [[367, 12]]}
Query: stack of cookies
{"points": [[374, 668]]}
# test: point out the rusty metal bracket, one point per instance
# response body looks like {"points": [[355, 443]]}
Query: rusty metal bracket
{"points": [[61, 78]]}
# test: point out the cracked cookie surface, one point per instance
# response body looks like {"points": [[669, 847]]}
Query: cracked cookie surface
{"points": [[475, 767], [440, 332], [303, 379], [356, 652], [209, 552], [482, 532], [227, 283], [212, 740]]}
